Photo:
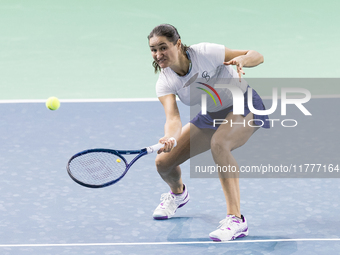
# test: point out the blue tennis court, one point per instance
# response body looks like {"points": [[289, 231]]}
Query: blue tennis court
{"points": [[44, 212]]}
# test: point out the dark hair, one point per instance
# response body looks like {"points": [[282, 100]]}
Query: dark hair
{"points": [[171, 33]]}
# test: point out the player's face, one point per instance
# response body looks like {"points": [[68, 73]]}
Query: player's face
{"points": [[165, 53]]}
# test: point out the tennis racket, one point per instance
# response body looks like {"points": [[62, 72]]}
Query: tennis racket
{"points": [[98, 168]]}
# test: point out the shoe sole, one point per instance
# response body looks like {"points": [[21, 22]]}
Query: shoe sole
{"points": [[161, 218], [168, 217], [243, 234]]}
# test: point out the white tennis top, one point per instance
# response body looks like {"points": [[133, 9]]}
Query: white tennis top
{"points": [[207, 70]]}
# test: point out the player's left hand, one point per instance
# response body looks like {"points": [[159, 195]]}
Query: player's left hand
{"points": [[238, 62]]}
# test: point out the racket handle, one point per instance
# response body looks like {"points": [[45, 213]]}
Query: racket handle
{"points": [[157, 146]]}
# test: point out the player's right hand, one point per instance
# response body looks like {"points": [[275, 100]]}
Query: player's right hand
{"points": [[169, 144]]}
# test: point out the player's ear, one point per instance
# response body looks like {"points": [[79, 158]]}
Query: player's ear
{"points": [[179, 43]]}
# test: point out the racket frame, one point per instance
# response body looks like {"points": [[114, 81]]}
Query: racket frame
{"points": [[118, 153]]}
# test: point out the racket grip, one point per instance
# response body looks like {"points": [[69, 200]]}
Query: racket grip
{"points": [[156, 147]]}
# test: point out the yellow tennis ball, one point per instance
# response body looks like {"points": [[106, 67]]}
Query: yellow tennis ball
{"points": [[118, 160], [53, 103]]}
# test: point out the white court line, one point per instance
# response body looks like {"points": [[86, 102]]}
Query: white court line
{"points": [[296, 96], [167, 243], [108, 100], [98, 100]]}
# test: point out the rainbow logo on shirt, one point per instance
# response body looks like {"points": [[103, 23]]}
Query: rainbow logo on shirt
{"points": [[209, 93]]}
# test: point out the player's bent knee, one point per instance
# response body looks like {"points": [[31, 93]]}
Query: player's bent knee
{"points": [[162, 164], [220, 146]]}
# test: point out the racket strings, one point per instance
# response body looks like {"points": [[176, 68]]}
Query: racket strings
{"points": [[97, 168]]}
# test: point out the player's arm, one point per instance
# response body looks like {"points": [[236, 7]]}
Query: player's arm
{"points": [[173, 124], [242, 58]]}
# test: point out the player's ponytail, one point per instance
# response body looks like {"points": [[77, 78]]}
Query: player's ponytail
{"points": [[171, 33]]}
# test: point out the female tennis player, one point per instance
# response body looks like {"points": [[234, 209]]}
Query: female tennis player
{"points": [[202, 65]]}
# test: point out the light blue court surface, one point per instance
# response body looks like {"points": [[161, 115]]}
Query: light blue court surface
{"points": [[42, 211]]}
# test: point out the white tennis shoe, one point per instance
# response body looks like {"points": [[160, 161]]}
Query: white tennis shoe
{"points": [[170, 203], [229, 229]]}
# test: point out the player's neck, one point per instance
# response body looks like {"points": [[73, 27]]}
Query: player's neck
{"points": [[183, 65]]}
